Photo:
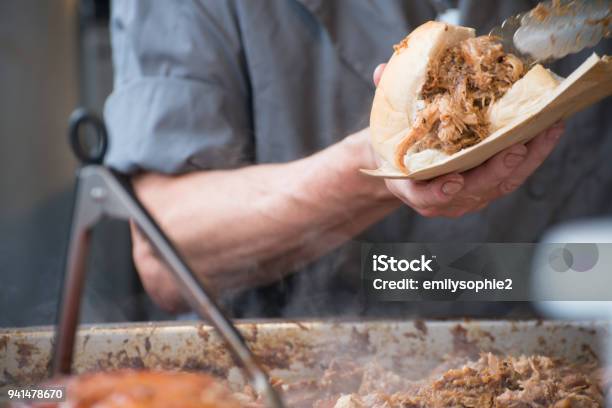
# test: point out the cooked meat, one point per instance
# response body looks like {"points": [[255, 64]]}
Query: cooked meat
{"points": [[140, 389], [490, 382], [505, 383], [459, 88], [540, 12], [510, 383]]}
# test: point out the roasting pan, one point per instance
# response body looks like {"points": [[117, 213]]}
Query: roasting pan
{"points": [[297, 350]]}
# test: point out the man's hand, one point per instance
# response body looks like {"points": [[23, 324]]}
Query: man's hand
{"points": [[454, 195]]}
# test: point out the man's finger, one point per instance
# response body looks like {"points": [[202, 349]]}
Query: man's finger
{"points": [[378, 73], [430, 194], [484, 180], [538, 150]]}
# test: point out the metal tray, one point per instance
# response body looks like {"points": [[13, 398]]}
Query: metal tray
{"points": [[294, 350]]}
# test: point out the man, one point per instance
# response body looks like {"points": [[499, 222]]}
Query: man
{"points": [[244, 124]]}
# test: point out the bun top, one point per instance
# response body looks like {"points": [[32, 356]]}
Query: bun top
{"points": [[395, 101]]}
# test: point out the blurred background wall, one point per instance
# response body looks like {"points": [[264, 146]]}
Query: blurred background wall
{"points": [[54, 56], [38, 54]]}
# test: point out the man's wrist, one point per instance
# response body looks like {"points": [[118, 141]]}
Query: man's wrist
{"points": [[333, 175], [360, 155]]}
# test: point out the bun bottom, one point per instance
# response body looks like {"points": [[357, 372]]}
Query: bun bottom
{"points": [[425, 158]]}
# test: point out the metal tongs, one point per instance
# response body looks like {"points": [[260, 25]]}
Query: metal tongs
{"points": [[101, 191], [556, 28]]}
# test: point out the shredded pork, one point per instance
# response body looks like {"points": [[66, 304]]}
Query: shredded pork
{"points": [[459, 88], [490, 382]]}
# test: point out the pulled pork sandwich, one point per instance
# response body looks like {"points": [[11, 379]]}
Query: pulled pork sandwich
{"points": [[142, 388], [444, 90]]}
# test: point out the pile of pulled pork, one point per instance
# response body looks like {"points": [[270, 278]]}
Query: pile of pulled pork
{"points": [[459, 88], [491, 381]]}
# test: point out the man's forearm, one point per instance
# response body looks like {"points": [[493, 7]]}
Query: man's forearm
{"points": [[249, 226]]}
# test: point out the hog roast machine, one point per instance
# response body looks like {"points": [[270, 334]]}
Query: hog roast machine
{"points": [[287, 350]]}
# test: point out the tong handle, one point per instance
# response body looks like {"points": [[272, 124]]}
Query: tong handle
{"points": [[87, 151]]}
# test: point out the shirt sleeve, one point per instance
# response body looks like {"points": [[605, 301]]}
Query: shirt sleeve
{"points": [[181, 95]]}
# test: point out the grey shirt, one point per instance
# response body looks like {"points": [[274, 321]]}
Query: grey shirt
{"points": [[221, 84]]}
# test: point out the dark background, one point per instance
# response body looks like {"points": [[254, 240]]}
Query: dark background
{"points": [[54, 56]]}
